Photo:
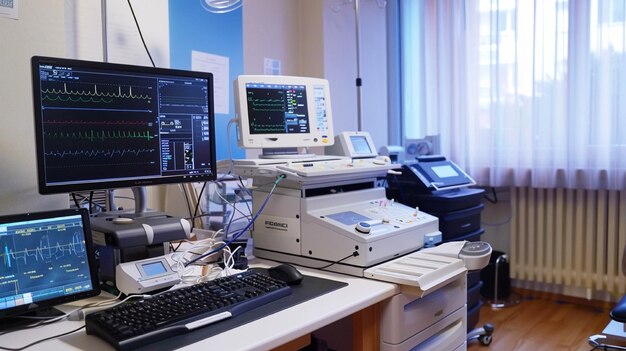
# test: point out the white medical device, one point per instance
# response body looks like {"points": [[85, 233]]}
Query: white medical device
{"points": [[330, 213], [353, 145], [139, 277], [281, 113]]}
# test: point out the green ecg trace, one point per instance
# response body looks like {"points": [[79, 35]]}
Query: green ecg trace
{"points": [[92, 94], [101, 135]]}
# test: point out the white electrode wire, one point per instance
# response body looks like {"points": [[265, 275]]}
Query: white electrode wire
{"points": [[188, 274]]}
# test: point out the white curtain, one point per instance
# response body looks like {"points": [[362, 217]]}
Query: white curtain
{"points": [[523, 93]]}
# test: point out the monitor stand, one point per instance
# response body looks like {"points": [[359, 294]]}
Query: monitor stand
{"points": [[141, 209]]}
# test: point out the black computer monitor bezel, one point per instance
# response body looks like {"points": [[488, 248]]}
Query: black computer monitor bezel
{"points": [[47, 188], [93, 267]]}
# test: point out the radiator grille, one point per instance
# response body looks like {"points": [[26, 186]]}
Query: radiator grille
{"points": [[570, 237]]}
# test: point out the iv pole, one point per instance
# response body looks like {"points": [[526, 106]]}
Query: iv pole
{"points": [[359, 81]]}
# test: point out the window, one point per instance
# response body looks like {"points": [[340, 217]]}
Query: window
{"points": [[523, 93]]}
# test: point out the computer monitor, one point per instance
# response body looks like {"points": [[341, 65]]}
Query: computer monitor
{"points": [[47, 260], [105, 126], [282, 113]]}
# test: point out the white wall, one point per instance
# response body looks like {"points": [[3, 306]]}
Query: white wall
{"points": [[39, 30], [271, 30], [59, 28], [340, 66], [318, 38]]}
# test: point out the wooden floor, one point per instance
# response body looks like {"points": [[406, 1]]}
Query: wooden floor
{"points": [[543, 322]]}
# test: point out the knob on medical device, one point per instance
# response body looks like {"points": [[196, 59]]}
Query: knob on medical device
{"points": [[365, 227]]}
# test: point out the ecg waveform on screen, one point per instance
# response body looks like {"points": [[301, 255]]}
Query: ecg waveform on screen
{"points": [[83, 95], [52, 93], [260, 105], [95, 153], [97, 122], [45, 252], [39, 258], [267, 128], [101, 135]]}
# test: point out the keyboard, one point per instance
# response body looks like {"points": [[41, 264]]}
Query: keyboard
{"points": [[135, 324], [336, 167]]}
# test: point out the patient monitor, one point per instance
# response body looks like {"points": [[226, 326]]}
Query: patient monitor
{"points": [[282, 113]]}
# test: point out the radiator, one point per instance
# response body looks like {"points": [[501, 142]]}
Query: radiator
{"points": [[569, 237]]}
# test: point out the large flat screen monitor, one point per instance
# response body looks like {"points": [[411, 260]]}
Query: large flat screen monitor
{"points": [[105, 126], [47, 259], [283, 112]]}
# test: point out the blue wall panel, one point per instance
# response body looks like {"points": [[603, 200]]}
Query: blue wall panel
{"points": [[192, 27]]}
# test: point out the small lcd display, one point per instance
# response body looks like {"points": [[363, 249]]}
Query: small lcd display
{"points": [[360, 144], [445, 171], [154, 268]]}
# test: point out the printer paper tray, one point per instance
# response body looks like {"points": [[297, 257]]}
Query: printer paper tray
{"points": [[418, 273]]}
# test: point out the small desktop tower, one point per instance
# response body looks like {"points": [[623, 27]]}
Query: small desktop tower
{"points": [[459, 212]]}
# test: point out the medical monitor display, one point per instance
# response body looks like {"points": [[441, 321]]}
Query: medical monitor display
{"points": [[360, 144], [47, 259], [283, 112], [103, 126], [353, 145]]}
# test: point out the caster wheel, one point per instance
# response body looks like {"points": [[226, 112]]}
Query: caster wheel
{"points": [[485, 339]]}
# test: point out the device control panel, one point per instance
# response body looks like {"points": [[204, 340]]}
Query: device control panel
{"points": [[139, 277]]}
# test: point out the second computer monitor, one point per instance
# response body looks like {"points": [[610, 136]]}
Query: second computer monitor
{"points": [[281, 112], [101, 125]]}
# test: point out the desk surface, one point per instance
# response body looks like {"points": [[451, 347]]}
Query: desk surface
{"points": [[265, 333]]}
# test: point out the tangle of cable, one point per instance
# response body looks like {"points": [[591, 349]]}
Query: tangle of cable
{"points": [[240, 232]]}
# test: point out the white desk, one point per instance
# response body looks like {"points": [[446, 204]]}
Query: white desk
{"points": [[266, 333]]}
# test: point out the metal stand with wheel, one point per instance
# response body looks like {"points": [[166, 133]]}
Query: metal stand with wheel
{"points": [[500, 302], [483, 334]]}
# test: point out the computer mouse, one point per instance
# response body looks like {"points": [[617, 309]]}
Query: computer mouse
{"points": [[287, 273]]}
